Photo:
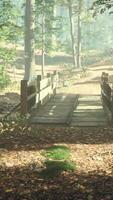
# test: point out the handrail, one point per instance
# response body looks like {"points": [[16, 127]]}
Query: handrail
{"points": [[106, 93], [38, 91]]}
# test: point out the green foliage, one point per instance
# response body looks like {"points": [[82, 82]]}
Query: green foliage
{"points": [[10, 32], [55, 26], [7, 57], [57, 161], [55, 168], [4, 78], [101, 6], [9, 17], [57, 152]]}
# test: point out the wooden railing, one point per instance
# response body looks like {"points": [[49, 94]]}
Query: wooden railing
{"points": [[38, 91], [107, 94]]}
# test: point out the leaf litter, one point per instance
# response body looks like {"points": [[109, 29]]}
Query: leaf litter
{"points": [[22, 160]]}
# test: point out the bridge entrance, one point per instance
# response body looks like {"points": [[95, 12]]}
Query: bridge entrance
{"points": [[48, 107], [72, 110]]}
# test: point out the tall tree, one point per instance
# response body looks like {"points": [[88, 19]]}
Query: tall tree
{"points": [[72, 31], [43, 37], [29, 39], [79, 34]]}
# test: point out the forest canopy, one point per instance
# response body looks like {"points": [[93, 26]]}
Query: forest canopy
{"points": [[103, 5], [70, 27]]}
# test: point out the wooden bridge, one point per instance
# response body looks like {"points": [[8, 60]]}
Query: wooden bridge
{"points": [[49, 108], [71, 110]]}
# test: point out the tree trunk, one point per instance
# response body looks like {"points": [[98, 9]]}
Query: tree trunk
{"points": [[29, 40], [79, 35], [72, 34], [43, 38]]}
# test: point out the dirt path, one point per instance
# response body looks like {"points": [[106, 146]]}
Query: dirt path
{"points": [[90, 82]]}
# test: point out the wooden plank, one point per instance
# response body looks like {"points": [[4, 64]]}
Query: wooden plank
{"points": [[85, 107], [45, 83], [45, 92], [48, 115], [54, 109], [54, 112], [58, 105], [40, 96], [64, 96], [31, 96], [48, 121], [59, 111], [32, 83], [88, 114], [88, 110], [23, 97], [88, 124], [90, 98], [90, 103], [70, 115], [63, 101], [88, 119]]}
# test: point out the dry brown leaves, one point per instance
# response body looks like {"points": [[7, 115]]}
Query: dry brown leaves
{"points": [[21, 161]]}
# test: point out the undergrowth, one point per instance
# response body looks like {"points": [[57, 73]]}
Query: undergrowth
{"points": [[57, 161]]}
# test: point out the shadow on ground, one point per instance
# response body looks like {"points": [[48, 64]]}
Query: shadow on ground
{"points": [[26, 183], [18, 137], [8, 101]]}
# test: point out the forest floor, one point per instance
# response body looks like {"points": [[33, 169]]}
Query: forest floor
{"points": [[23, 163]]}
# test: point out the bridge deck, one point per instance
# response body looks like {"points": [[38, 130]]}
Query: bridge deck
{"points": [[89, 112], [57, 111], [68, 109]]}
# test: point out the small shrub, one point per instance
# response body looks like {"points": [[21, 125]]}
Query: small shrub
{"points": [[57, 152], [57, 161], [55, 168], [4, 80]]}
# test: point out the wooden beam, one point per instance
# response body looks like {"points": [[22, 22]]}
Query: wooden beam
{"points": [[23, 97]]}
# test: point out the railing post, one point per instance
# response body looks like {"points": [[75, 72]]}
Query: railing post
{"points": [[59, 80], [112, 103], [54, 72], [54, 82], [107, 96], [48, 75], [23, 97], [38, 90]]}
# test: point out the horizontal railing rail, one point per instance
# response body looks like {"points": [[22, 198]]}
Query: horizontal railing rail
{"points": [[38, 91], [107, 94]]}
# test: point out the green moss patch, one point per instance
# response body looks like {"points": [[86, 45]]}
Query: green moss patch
{"points": [[54, 168], [58, 160], [57, 152]]}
